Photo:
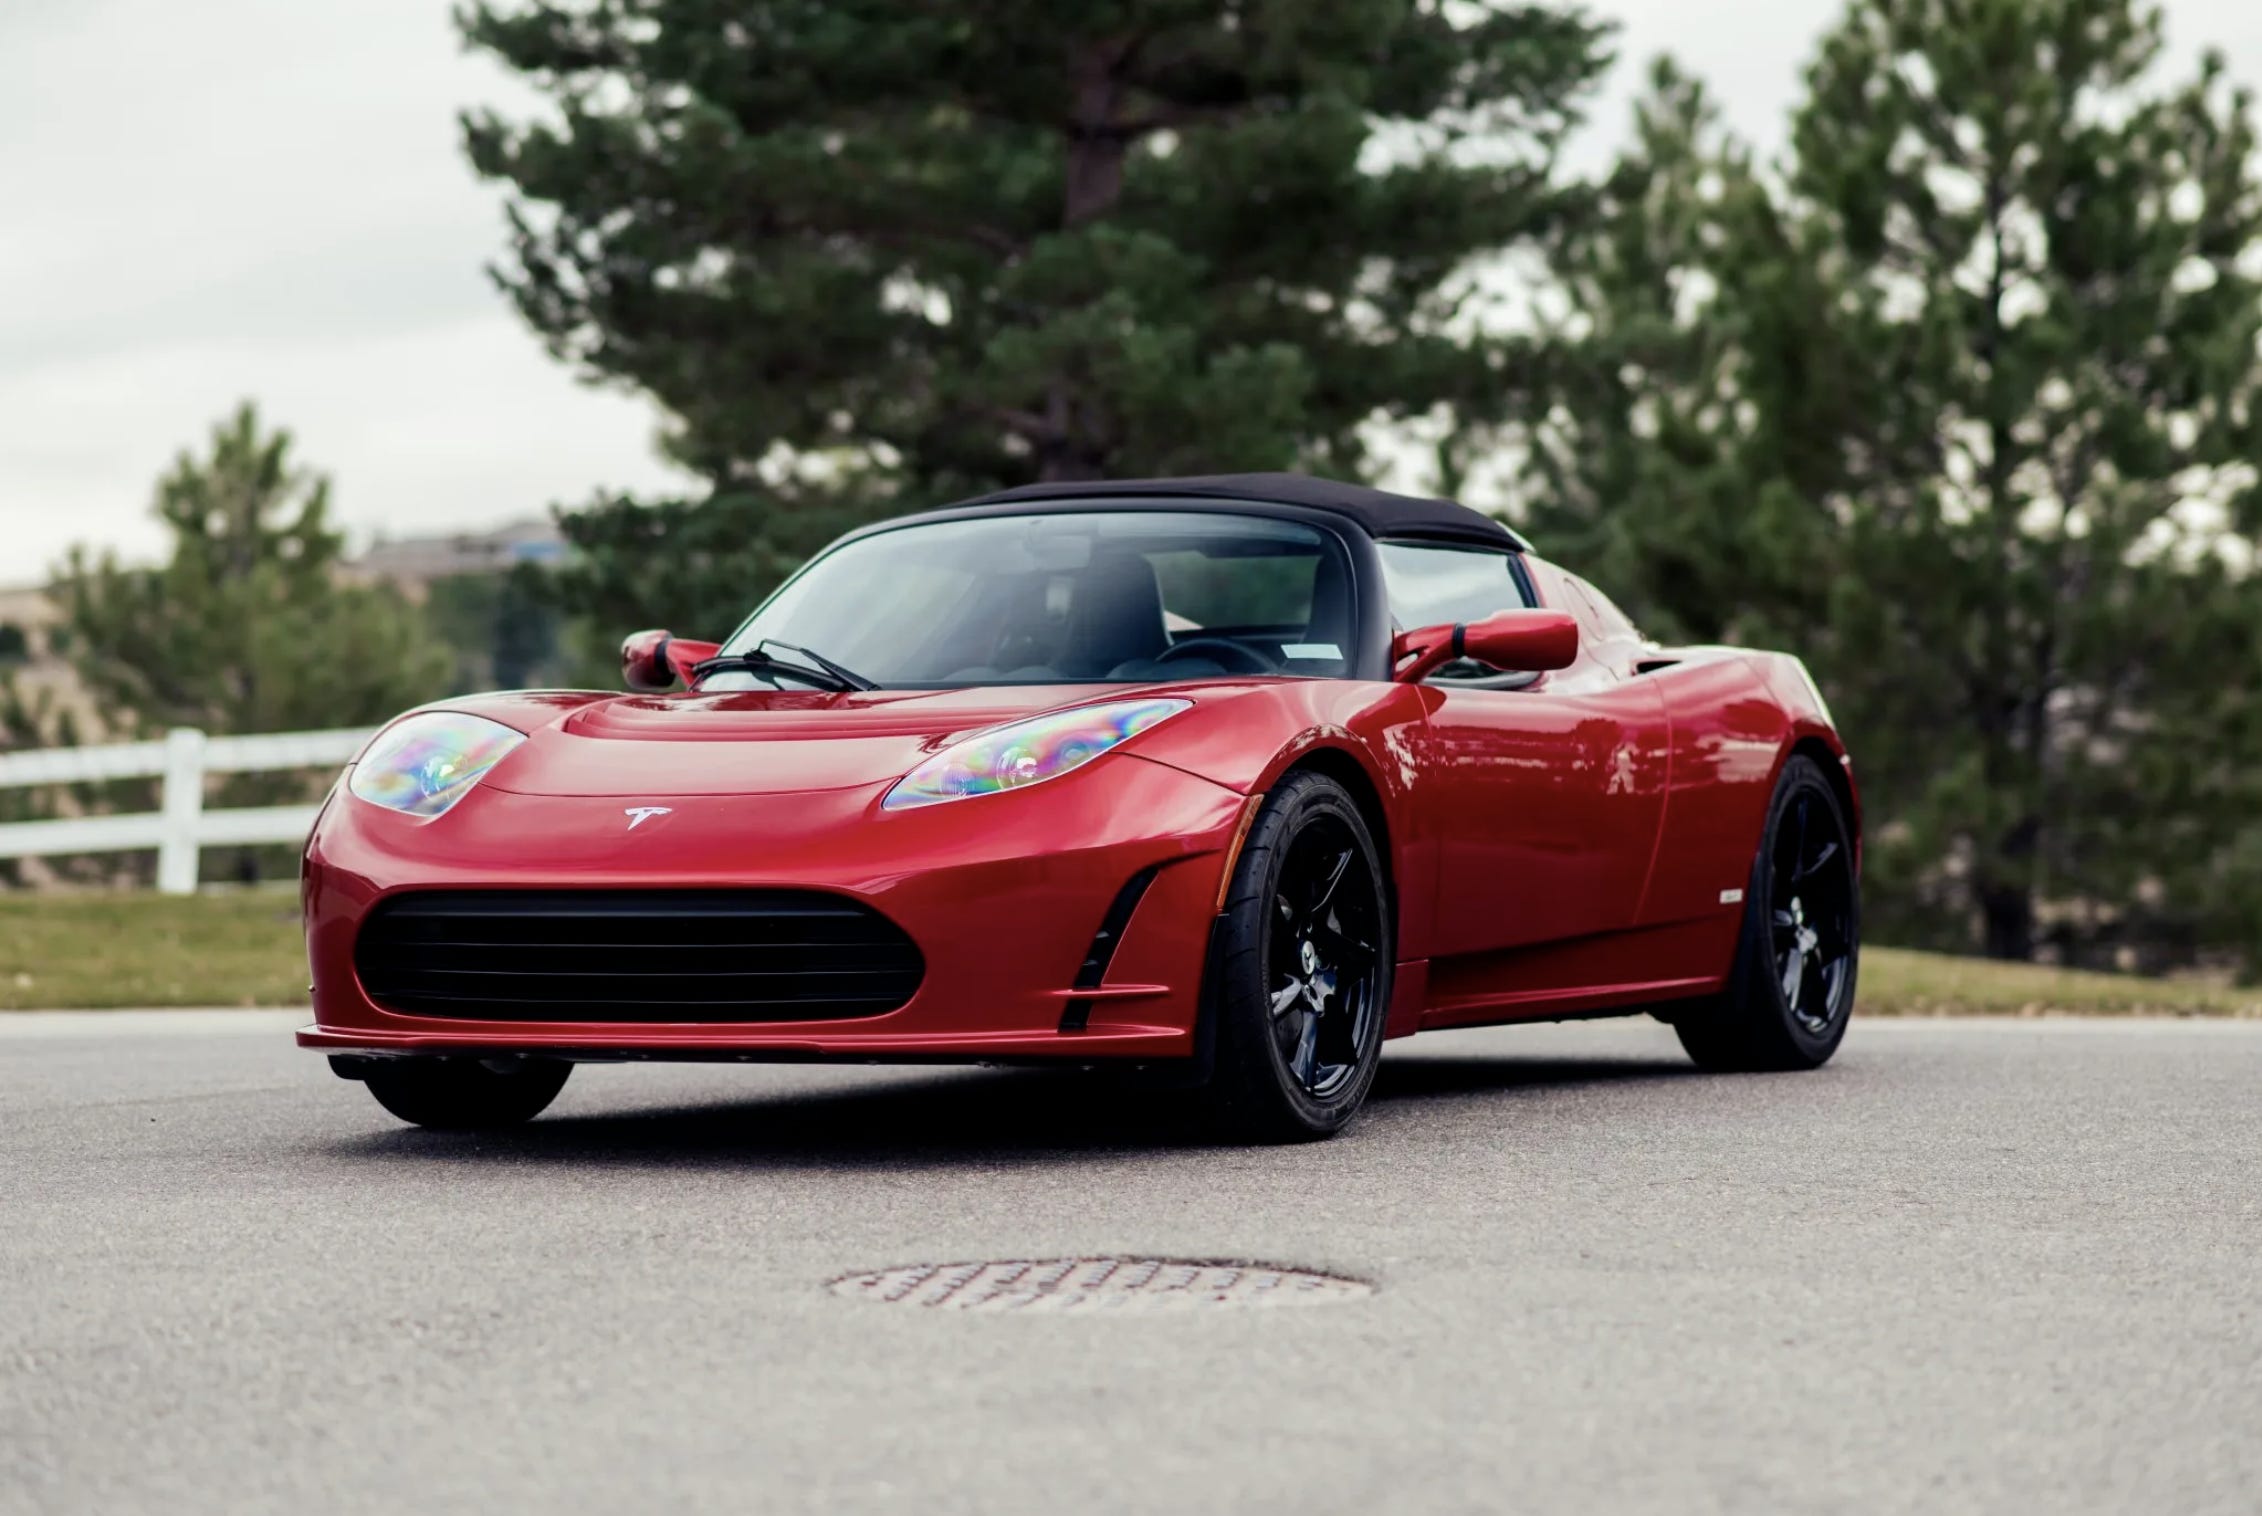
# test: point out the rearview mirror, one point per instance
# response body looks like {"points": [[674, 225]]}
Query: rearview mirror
{"points": [[651, 662], [1521, 641]]}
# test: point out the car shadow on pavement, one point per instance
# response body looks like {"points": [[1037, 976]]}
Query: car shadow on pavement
{"points": [[959, 1116], [1427, 1077]]}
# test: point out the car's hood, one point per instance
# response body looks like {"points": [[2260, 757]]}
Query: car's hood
{"points": [[764, 740]]}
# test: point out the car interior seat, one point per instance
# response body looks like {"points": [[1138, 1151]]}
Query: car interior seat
{"points": [[1115, 617]]}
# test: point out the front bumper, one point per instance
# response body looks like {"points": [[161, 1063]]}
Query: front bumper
{"points": [[1002, 894]]}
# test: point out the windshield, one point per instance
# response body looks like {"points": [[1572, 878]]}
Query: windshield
{"points": [[1084, 597]]}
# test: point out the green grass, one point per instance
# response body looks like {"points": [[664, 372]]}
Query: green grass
{"points": [[102, 951], [241, 948], [1896, 982]]}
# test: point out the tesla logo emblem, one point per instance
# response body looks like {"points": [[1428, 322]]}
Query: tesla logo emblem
{"points": [[639, 814]]}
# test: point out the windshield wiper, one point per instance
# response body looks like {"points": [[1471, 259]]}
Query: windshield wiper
{"points": [[847, 676], [826, 675]]}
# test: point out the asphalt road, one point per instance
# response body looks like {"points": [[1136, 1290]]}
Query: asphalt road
{"points": [[2011, 1266]]}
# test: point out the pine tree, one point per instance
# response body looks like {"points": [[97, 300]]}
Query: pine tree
{"points": [[690, 564], [2050, 262], [1989, 366], [875, 252], [248, 626], [1698, 396]]}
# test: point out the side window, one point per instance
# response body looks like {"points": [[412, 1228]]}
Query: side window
{"points": [[1606, 625], [1614, 622], [1578, 599], [1430, 585]]}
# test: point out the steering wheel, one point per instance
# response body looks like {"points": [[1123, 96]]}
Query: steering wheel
{"points": [[1238, 657]]}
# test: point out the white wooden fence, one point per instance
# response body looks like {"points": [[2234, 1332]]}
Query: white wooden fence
{"points": [[181, 825]]}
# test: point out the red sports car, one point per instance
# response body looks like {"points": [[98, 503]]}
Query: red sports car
{"points": [[1225, 779]]}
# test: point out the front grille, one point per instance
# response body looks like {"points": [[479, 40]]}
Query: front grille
{"points": [[635, 955]]}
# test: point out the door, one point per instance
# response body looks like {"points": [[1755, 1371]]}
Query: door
{"points": [[1543, 794]]}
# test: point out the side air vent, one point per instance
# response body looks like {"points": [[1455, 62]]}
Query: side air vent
{"points": [[635, 955], [1097, 956]]}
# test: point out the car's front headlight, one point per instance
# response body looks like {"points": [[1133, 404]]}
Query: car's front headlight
{"points": [[1027, 752], [423, 765]]}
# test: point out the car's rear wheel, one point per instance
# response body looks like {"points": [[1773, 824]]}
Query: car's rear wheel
{"points": [[1792, 988], [1300, 967], [467, 1094]]}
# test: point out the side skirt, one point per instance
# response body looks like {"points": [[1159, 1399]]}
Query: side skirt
{"points": [[1613, 973]]}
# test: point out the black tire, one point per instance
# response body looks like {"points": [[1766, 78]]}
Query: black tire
{"points": [[467, 1094], [1777, 1014], [1301, 1071]]}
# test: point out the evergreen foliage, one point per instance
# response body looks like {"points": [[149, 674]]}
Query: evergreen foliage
{"points": [[878, 253], [1964, 405], [247, 627]]}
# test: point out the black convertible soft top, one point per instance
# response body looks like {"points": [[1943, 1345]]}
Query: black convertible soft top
{"points": [[1378, 512]]}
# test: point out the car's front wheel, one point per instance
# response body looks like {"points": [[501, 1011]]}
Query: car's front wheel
{"points": [[1300, 972], [1792, 988], [467, 1094]]}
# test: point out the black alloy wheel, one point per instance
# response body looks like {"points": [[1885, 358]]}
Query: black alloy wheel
{"points": [[1323, 960], [1810, 916], [1301, 975], [1791, 992]]}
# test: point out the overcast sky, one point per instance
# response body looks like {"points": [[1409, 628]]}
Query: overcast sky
{"points": [[205, 201]]}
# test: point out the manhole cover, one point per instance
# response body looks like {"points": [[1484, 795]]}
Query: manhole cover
{"points": [[1097, 1284]]}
